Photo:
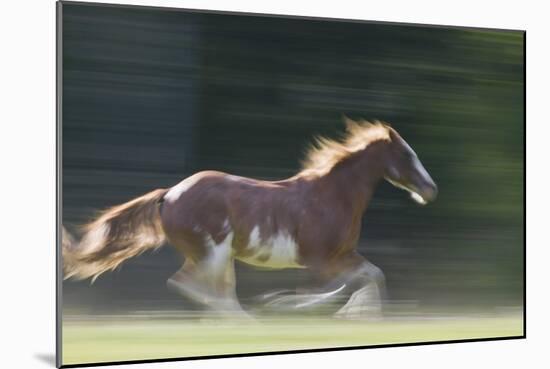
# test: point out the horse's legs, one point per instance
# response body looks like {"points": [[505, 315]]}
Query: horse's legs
{"points": [[368, 284], [211, 282], [350, 275]]}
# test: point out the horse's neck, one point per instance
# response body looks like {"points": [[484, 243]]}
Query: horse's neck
{"points": [[353, 182]]}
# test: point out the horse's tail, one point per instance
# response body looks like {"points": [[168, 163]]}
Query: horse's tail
{"points": [[118, 234]]}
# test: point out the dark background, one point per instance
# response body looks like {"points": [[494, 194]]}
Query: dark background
{"points": [[151, 96]]}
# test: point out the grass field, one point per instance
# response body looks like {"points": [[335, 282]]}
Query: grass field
{"points": [[141, 337]]}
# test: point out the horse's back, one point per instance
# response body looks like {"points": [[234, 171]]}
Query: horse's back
{"points": [[209, 185], [206, 200]]}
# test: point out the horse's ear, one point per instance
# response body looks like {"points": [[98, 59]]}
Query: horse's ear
{"points": [[392, 133]]}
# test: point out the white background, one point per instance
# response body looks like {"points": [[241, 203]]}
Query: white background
{"points": [[27, 203]]}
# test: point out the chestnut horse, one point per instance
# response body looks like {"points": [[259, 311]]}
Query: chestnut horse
{"points": [[311, 220]]}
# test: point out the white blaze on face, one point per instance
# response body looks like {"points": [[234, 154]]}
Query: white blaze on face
{"points": [[421, 170], [175, 192], [416, 197], [425, 176], [281, 249], [418, 167]]}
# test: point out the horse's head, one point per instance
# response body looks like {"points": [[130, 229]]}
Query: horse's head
{"points": [[403, 169]]}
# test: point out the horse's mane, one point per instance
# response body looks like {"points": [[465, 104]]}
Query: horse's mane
{"points": [[325, 153]]}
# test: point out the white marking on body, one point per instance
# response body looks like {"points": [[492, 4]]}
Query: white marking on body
{"points": [[210, 283], [175, 192], [281, 248], [219, 255], [254, 238]]}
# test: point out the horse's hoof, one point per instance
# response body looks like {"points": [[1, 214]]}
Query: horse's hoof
{"points": [[370, 313]]}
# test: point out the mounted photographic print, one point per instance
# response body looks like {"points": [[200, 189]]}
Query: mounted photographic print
{"points": [[239, 184]]}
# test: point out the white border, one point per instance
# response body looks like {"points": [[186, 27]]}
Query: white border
{"points": [[27, 118]]}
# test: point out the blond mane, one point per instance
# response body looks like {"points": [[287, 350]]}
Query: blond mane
{"points": [[325, 152]]}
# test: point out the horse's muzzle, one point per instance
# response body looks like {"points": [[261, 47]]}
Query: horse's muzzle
{"points": [[429, 192]]}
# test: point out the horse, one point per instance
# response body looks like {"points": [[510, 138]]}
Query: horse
{"points": [[311, 220]]}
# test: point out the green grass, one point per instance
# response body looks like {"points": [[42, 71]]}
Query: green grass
{"points": [[140, 338]]}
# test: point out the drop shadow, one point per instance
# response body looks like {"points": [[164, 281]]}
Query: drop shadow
{"points": [[46, 358]]}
